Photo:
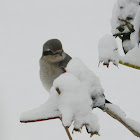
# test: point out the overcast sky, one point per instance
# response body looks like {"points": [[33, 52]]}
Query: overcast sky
{"points": [[25, 25]]}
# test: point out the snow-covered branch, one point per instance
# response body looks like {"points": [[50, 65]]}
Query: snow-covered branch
{"points": [[111, 109], [38, 120], [125, 24], [130, 65], [108, 52], [73, 96], [115, 112]]}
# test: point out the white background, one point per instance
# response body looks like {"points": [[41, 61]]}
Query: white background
{"points": [[25, 25]]}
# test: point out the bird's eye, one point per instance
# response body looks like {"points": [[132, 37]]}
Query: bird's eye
{"points": [[47, 53]]}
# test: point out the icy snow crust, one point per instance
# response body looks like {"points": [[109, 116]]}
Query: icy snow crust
{"points": [[80, 91]]}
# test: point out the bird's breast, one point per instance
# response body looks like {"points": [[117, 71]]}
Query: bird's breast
{"points": [[48, 73]]}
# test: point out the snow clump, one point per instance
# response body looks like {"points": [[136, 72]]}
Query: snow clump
{"points": [[108, 50], [72, 97], [125, 23]]}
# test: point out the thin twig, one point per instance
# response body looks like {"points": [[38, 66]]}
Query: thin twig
{"points": [[130, 65], [68, 133], [39, 120], [127, 24], [119, 34]]}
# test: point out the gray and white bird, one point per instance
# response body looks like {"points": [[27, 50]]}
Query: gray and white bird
{"points": [[52, 62]]}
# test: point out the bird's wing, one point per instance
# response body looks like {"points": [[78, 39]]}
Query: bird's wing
{"points": [[65, 61]]}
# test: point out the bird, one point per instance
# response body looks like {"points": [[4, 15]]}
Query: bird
{"points": [[52, 62]]}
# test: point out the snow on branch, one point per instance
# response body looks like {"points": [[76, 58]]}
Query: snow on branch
{"points": [[129, 65], [44, 112], [38, 120], [125, 24], [71, 99], [73, 96], [108, 52], [115, 112]]}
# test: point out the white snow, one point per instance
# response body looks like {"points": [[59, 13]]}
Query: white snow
{"points": [[114, 19], [135, 125], [74, 98], [108, 50], [129, 10], [123, 9], [88, 78], [122, 3], [132, 57], [44, 111], [80, 91], [127, 44], [90, 121], [135, 36], [116, 109]]}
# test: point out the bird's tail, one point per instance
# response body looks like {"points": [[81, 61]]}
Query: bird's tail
{"points": [[106, 101]]}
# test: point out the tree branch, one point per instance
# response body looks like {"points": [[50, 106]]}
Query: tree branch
{"points": [[122, 120], [121, 34], [39, 120], [68, 133], [127, 24], [107, 109], [130, 65]]}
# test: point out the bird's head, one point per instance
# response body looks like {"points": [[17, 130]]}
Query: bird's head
{"points": [[53, 51]]}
